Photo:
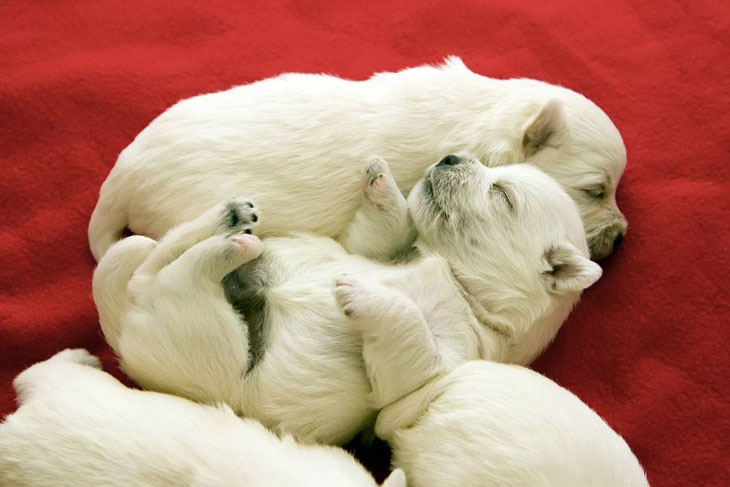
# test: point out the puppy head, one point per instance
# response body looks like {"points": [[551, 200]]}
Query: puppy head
{"points": [[511, 235], [575, 142]]}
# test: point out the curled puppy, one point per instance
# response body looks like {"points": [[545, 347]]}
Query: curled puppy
{"points": [[494, 424], [499, 262], [294, 144], [78, 426]]}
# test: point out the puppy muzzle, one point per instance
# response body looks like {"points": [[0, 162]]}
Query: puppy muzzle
{"points": [[607, 240]]}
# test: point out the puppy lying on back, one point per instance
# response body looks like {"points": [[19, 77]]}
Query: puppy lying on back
{"points": [[294, 144], [499, 263], [494, 424], [78, 426]]}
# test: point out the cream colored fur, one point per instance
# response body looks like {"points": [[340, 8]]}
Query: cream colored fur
{"points": [[498, 264], [295, 144], [488, 424], [77, 427]]}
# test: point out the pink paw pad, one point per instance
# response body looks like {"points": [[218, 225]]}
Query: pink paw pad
{"points": [[248, 243]]}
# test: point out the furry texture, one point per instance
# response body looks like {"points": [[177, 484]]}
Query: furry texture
{"points": [[647, 346], [500, 260], [494, 424], [263, 140], [77, 426]]}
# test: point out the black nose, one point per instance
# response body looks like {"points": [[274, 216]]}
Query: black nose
{"points": [[449, 160], [617, 241]]}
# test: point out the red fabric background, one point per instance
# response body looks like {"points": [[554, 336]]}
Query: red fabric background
{"points": [[648, 346]]}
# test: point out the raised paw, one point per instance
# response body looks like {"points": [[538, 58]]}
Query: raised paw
{"points": [[240, 215], [381, 188], [355, 296], [79, 356], [248, 245]]}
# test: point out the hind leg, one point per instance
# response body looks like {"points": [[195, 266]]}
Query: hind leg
{"points": [[209, 261], [111, 279], [381, 227], [234, 216], [183, 336]]}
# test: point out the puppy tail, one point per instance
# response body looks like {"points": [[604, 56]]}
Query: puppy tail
{"points": [[111, 280], [108, 219]]}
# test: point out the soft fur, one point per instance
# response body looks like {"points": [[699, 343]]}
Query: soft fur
{"points": [[493, 424], [294, 144], [500, 261], [78, 426]]}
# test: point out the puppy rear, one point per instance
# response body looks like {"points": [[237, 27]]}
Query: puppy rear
{"points": [[78, 426]]}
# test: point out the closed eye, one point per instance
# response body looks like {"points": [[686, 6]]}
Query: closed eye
{"points": [[503, 193], [597, 192]]}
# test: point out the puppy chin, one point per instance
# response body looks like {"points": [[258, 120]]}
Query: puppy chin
{"points": [[600, 247], [421, 192], [422, 206], [602, 241]]}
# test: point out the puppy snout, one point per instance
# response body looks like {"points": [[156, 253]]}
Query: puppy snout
{"points": [[450, 160]]}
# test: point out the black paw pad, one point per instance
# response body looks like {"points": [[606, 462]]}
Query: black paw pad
{"points": [[232, 217]]}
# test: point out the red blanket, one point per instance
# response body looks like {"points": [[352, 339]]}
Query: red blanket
{"points": [[647, 347]]}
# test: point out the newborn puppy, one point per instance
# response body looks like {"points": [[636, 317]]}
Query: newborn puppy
{"points": [[77, 426], [500, 261], [294, 144], [494, 424]]}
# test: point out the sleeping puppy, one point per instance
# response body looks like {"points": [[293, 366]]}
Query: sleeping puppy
{"points": [[499, 262], [77, 426], [494, 424], [294, 144]]}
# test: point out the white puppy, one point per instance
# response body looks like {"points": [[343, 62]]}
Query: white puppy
{"points": [[78, 426], [294, 144], [494, 424], [500, 261]]}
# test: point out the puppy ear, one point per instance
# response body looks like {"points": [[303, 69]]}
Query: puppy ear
{"points": [[569, 270], [541, 127], [397, 478]]}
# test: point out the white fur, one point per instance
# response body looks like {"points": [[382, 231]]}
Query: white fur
{"points": [[493, 424], [294, 143], [486, 281], [78, 426]]}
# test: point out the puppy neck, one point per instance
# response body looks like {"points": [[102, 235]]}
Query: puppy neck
{"points": [[487, 319], [494, 332]]}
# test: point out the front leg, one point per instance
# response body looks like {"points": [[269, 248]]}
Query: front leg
{"points": [[381, 227], [398, 348]]}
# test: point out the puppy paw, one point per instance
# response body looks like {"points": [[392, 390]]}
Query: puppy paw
{"points": [[354, 296], [240, 215], [345, 291], [381, 188], [211, 260], [249, 246], [79, 356]]}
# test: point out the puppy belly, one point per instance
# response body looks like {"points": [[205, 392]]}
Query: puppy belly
{"points": [[248, 298]]}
